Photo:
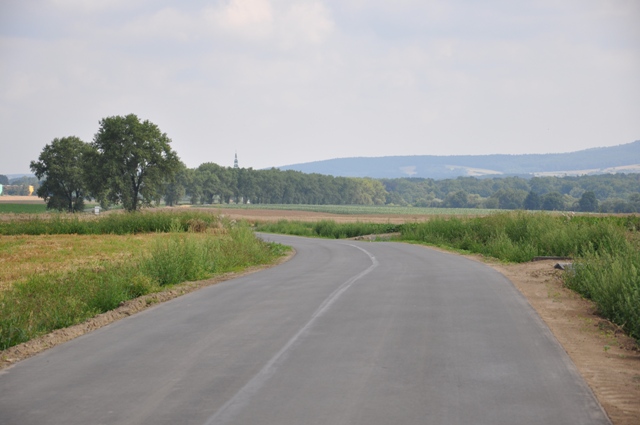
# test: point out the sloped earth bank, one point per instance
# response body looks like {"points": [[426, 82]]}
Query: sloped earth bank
{"points": [[608, 360]]}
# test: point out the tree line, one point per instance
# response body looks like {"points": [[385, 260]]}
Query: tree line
{"points": [[619, 193], [130, 162], [210, 183]]}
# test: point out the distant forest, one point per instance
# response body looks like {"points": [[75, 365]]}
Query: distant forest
{"points": [[589, 161], [211, 183], [619, 193]]}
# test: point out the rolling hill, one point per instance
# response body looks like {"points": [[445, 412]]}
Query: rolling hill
{"points": [[616, 159]]}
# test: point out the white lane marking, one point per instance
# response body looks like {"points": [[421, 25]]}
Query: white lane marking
{"points": [[243, 396]]}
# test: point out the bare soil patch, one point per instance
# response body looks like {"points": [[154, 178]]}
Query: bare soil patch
{"points": [[253, 215], [607, 359]]}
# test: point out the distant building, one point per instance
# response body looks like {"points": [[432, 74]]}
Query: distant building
{"points": [[235, 161]]}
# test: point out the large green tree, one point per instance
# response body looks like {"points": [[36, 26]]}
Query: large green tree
{"points": [[132, 162], [458, 199], [588, 202], [510, 199], [175, 190], [553, 202], [533, 201], [60, 166]]}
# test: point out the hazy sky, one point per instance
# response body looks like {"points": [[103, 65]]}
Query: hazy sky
{"points": [[290, 81]]}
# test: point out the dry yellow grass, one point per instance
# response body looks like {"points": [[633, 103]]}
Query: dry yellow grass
{"points": [[22, 256]]}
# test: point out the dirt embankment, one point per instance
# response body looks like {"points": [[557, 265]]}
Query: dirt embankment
{"points": [[607, 359]]}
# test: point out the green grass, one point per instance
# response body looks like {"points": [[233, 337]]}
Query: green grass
{"points": [[51, 301], [187, 257], [22, 208], [612, 281], [327, 228], [47, 301], [520, 236], [116, 223]]}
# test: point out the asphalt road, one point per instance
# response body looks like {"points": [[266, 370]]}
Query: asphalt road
{"points": [[345, 333]]}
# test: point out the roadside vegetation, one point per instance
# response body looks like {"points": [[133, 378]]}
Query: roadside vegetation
{"points": [[605, 249], [115, 223], [150, 251], [327, 228]]}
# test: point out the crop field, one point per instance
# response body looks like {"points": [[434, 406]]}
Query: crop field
{"points": [[11, 208], [357, 209], [24, 256]]}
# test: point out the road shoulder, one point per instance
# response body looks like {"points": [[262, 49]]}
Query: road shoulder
{"points": [[607, 359]]}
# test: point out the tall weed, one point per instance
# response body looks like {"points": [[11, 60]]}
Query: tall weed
{"points": [[55, 300], [612, 281], [115, 223], [518, 236], [327, 228]]}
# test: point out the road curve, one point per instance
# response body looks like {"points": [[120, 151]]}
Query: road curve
{"points": [[345, 333]]}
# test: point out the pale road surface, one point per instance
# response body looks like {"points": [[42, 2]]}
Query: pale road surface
{"points": [[344, 333]]}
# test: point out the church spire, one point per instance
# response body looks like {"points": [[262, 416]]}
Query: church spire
{"points": [[235, 161]]}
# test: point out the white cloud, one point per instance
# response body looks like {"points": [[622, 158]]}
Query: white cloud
{"points": [[283, 24], [286, 81], [251, 19], [167, 23], [92, 6], [307, 22]]}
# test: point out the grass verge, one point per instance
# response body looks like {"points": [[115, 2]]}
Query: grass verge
{"points": [[327, 228], [47, 301]]}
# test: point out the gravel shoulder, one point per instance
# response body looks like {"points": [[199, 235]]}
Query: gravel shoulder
{"points": [[607, 359]]}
